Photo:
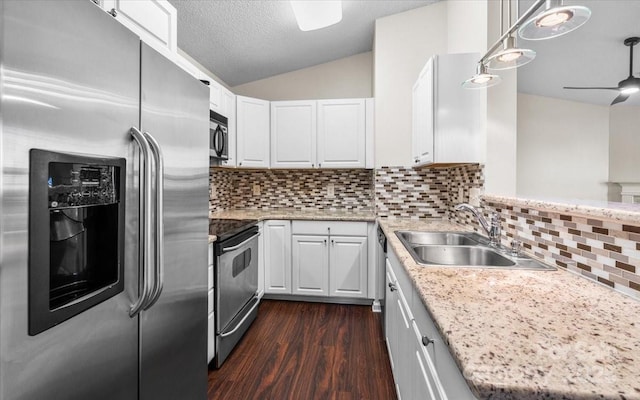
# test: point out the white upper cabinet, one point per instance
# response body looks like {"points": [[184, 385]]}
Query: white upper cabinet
{"points": [[252, 132], [342, 133], [155, 21], [422, 132], [230, 113], [449, 122], [216, 98], [293, 134]]}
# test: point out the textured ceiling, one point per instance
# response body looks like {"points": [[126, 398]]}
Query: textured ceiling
{"points": [[242, 41], [592, 55]]}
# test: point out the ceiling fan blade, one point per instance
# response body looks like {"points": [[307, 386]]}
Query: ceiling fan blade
{"points": [[621, 97], [603, 88]]}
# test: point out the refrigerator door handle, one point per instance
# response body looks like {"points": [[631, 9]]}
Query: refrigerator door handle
{"points": [[145, 200], [159, 221]]}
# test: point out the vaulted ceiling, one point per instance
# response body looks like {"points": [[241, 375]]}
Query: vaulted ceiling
{"points": [[245, 40]]}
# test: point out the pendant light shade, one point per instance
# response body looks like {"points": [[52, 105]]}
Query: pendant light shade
{"points": [[556, 20], [482, 79], [510, 56]]}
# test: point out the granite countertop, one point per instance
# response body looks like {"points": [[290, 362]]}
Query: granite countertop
{"points": [[529, 334], [310, 214]]}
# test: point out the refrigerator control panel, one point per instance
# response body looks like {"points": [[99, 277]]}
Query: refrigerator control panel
{"points": [[73, 185]]}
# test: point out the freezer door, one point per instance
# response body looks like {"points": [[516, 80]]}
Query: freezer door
{"points": [[175, 111], [69, 83]]}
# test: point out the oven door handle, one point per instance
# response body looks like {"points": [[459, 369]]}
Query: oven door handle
{"points": [[158, 283], [239, 324], [145, 208], [236, 247]]}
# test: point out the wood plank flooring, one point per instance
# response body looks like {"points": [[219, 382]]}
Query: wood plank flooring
{"points": [[306, 351]]}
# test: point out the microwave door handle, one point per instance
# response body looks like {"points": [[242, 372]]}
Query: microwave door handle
{"points": [[159, 221], [145, 209], [219, 141], [224, 141]]}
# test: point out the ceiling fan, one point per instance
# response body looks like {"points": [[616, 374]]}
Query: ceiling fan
{"points": [[627, 86]]}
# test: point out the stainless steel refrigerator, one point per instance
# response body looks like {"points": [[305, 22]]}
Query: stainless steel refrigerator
{"points": [[104, 185]]}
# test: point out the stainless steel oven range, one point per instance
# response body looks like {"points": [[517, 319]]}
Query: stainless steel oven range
{"points": [[236, 282]]}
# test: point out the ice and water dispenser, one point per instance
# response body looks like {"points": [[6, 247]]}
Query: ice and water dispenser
{"points": [[76, 234]]}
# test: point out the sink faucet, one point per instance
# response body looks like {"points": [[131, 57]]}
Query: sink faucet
{"points": [[492, 228]]}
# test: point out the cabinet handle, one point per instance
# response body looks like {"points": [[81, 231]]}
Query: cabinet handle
{"points": [[325, 242], [113, 12], [392, 287], [332, 242], [240, 163], [426, 341], [319, 165], [313, 165]]}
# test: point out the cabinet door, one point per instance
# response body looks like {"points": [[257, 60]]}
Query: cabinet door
{"points": [[406, 346], [216, 98], [155, 21], [348, 266], [310, 265], [252, 132], [230, 109], [293, 134], [423, 124], [277, 257], [390, 311], [425, 383], [341, 133]]}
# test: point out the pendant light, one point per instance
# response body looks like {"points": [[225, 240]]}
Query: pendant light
{"points": [[556, 20], [482, 79], [510, 56]]}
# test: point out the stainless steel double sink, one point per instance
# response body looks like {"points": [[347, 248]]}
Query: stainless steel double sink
{"points": [[463, 249]]}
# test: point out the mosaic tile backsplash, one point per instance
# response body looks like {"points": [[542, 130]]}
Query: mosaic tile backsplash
{"points": [[601, 250], [598, 249], [291, 189], [424, 193]]}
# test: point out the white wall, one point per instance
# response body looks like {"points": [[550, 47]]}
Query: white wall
{"points": [[563, 149], [344, 78], [500, 167], [624, 143], [403, 43]]}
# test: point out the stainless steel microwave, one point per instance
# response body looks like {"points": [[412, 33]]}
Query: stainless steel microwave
{"points": [[218, 136]]}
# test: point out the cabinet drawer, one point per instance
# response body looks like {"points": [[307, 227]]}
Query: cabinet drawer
{"points": [[345, 228], [210, 301], [210, 285], [210, 254]]}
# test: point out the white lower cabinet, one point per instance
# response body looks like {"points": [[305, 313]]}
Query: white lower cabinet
{"points": [[330, 258], [423, 367], [399, 329], [310, 265], [348, 266], [317, 258], [277, 256]]}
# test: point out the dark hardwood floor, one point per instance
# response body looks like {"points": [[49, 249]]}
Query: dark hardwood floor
{"points": [[307, 351]]}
